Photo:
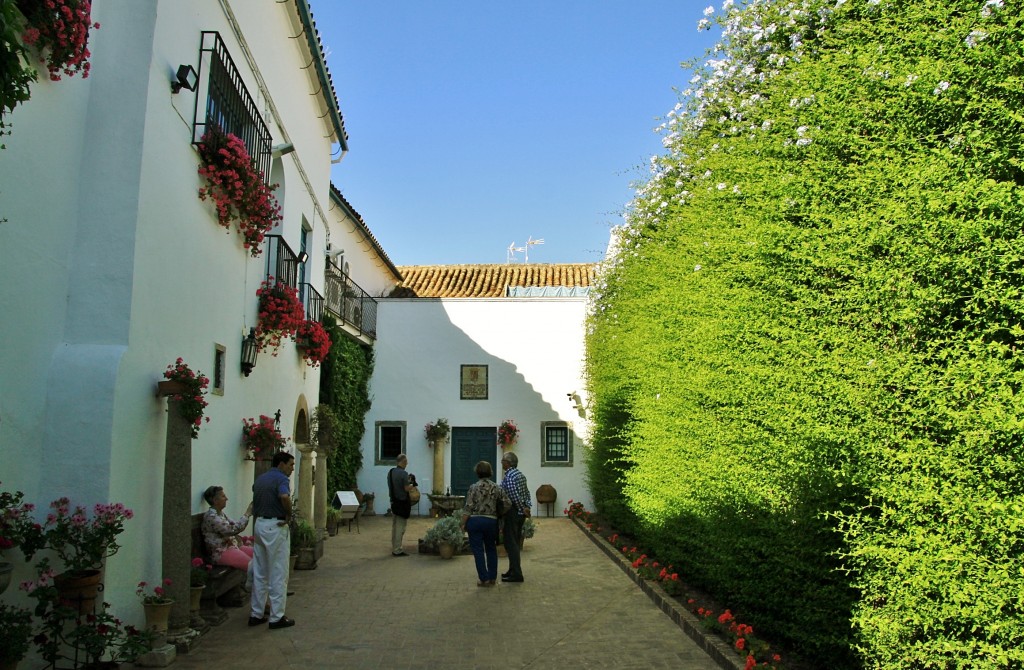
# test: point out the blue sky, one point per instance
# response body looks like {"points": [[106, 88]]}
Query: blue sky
{"points": [[473, 125]]}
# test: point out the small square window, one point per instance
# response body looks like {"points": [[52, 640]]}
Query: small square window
{"points": [[556, 443], [219, 356], [390, 441]]}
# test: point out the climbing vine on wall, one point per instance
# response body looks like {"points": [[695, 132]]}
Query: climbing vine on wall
{"points": [[345, 388]]}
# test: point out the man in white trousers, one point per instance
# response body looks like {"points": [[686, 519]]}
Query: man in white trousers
{"points": [[272, 511]]}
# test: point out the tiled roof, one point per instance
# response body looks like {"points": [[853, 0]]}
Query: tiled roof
{"points": [[327, 91], [364, 229], [486, 281]]}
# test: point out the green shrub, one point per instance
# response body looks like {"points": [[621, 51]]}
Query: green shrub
{"points": [[804, 358]]}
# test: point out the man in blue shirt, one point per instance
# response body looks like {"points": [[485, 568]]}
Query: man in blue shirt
{"points": [[272, 510], [514, 484]]}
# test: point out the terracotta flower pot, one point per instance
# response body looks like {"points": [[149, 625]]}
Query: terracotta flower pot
{"points": [[78, 589], [445, 550]]}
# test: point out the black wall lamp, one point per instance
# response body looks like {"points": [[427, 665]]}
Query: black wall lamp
{"points": [[250, 348], [186, 77]]}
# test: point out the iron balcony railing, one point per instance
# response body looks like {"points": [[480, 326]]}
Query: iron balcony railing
{"points": [[313, 301], [348, 302], [228, 104], [282, 263]]}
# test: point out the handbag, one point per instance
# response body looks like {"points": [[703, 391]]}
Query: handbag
{"points": [[500, 508], [414, 495]]}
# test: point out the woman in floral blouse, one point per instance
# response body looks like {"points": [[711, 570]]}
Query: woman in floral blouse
{"points": [[480, 520], [221, 533]]}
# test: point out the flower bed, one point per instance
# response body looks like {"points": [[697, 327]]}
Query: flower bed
{"points": [[692, 609]]}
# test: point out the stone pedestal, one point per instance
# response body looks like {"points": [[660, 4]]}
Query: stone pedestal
{"points": [[437, 444], [305, 497], [177, 517], [161, 657], [320, 494]]}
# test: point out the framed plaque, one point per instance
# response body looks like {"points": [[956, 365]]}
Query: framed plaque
{"points": [[473, 382]]}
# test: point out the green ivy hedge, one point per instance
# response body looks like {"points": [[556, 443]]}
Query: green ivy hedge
{"points": [[804, 355], [345, 388]]}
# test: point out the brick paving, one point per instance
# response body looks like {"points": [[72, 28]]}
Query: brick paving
{"points": [[362, 608]]}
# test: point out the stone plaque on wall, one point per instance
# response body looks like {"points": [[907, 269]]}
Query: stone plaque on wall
{"points": [[473, 382]]}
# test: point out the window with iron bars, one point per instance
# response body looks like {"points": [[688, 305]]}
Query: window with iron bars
{"points": [[228, 104]]}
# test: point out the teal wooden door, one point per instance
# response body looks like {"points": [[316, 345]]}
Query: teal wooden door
{"points": [[469, 447]]}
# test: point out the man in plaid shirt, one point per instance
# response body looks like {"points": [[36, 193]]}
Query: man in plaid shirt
{"points": [[514, 483]]}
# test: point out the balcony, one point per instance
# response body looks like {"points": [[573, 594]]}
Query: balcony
{"points": [[350, 304], [282, 263]]}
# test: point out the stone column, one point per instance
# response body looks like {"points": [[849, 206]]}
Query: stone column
{"points": [[305, 498], [437, 487], [320, 495], [177, 520]]}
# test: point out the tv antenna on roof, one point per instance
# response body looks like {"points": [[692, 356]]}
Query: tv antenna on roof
{"points": [[529, 243], [510, 256]]}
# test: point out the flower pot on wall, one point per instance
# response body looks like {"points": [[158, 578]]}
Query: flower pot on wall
{"points": [[78, 589]]}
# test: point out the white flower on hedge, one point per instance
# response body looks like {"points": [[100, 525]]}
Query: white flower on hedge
{"points": [[975, 37], [990, 8], [736, 189], [703, 24], [943, 85], [709, 10], [721, 186], [911, 78], [727, 5], [696, 268]]}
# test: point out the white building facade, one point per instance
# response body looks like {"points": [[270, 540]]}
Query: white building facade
{"points": [[111, 267], [478, 361]]}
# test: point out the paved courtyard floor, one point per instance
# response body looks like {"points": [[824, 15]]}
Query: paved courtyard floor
{"points": [[362, 608]]}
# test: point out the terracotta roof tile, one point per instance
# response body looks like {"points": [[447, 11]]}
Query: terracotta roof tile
{"points": [[487, 281]]}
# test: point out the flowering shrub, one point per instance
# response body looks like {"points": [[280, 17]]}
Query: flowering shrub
{"points": [[82, 542], [280, 314], [313, 340], [237, 188], [436, 431], [59, 32], [17, 526], [741, 636], [199, 573], [155, 596], [261, 439], [191, 401], [15, 631], [507, 433]]}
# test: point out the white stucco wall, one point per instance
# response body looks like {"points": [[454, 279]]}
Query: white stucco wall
{"points": [[111, 268], [534, 350]]}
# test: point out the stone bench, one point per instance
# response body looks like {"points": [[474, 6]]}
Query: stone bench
{"points": [[224, 587]]}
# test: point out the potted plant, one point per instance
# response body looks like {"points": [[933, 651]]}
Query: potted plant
{"points": [[508, 432], [333, 519], [281, 314], [156, 604], [437, 430], [198, 576], [81, 541], [17, 529], [261, 439], [15, 631], [313, 341], [58, 31], [446, 536], [304, 538], [237, 188], [188, 388]]}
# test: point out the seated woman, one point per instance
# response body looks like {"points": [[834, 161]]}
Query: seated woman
{"points": [[221, 533]]}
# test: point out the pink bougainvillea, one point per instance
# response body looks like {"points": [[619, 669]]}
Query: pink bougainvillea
{"points": [[58, 30]]}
